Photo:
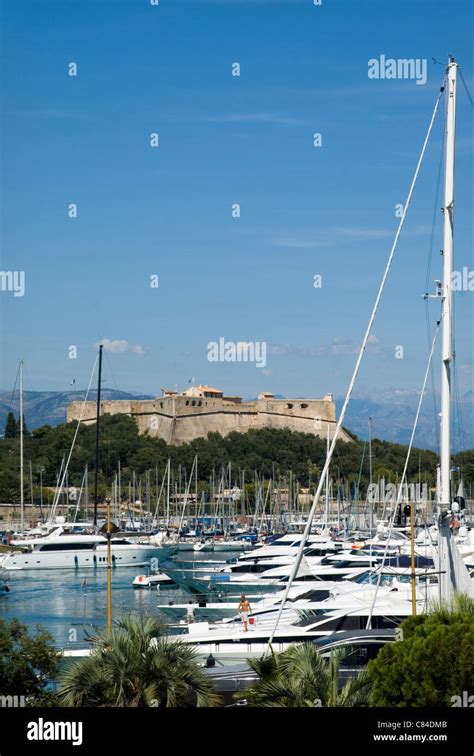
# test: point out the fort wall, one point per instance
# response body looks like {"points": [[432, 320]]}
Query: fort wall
{"points": [[180, 419]]}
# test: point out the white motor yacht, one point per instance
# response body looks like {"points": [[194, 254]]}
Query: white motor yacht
{"points": [[63, 549]]}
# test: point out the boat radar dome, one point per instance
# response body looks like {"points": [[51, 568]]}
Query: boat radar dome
{"points": [[60, 520]]}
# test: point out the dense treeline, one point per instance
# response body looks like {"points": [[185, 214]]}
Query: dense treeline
{"points": [[281, 453]]}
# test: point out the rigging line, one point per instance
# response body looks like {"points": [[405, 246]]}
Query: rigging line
{"points": [[466, 87], [407, 459], [360, 469], [355, 373], [457, 402], [433, 383], [60, 488], [14, 388], [111, 370], [459, 419]]}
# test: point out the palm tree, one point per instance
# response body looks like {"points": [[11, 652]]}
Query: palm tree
{"points": [[135, 666], [300, 676]]}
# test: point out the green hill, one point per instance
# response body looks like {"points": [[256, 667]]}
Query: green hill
{"points": [[267, 452]]}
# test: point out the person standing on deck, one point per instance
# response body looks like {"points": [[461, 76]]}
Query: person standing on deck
{"points": [[245, 609], [190, 616]]}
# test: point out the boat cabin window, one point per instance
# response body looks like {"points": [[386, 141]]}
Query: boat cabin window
{"points": [[318, 551], [249, 567], [77, 546], [349, 563], [285, 542], [358, 622], [386, 579], [310, 596], [359, 655]]}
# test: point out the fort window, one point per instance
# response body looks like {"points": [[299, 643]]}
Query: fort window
{"points": [[304, 406], [161, 405], [187, 402], [199, 403], [289, 405], [193, 403]]}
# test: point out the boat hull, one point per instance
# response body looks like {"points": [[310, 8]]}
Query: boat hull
{"points": [[94, 558]]}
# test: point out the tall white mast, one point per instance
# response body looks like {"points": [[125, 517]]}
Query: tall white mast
{"points": [[22, 493], [447, 352], [447, 574]]}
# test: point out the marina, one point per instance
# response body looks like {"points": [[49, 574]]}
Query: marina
{"points": [[237, 445]]}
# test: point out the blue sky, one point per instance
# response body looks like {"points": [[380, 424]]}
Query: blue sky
{"points": [[224, 140]]}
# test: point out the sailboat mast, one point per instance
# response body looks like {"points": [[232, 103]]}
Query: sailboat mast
{"points": [[447, 343], [97, 438], [22, 492], [168, 482], [326, 497]]}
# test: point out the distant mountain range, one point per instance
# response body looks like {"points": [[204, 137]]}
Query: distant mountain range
{"points": [[50, 407], [392, 413]]}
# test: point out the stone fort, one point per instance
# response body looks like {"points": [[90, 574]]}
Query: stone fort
{"points": [[181, 417]]}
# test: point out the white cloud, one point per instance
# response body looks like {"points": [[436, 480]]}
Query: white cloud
{"points": [[338, 346], [293, 243], [363, 234], [348, 346], [277, 118], [119, 346], [329, 237]]}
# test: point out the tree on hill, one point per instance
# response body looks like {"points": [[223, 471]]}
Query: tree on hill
{"points": [[10, 426], [433, 663], [25, 429], [256, 455]]}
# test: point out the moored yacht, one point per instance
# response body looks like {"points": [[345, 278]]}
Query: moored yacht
{"points": [[70, 550]]}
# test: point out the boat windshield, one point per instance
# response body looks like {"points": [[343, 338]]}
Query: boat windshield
{"points": [[386, 579]]}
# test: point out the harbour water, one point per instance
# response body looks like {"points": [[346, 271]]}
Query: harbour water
{"points": [[72, 604]]}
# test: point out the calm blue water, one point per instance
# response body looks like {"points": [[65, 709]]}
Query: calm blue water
{"points": [[72, 605]]}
